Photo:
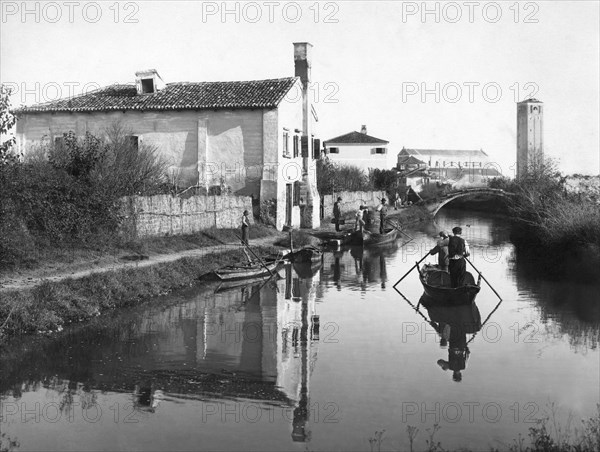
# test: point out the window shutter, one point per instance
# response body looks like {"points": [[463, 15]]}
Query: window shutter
{"points": [[304, 145], [316, 148]]}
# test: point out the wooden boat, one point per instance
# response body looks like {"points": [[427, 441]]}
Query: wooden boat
{"points": [[437, 287], [249, 270], [368, 238], [308, 255]]}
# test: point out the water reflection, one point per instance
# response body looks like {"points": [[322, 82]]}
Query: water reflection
{"points": [[358, 268], [256, 342]]}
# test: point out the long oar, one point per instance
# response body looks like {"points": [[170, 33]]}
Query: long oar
{"points": [[483, 277], [412, 268], [259, 259], [393, 224], [485, 321]]}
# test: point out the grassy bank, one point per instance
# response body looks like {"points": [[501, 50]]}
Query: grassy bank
{"points": [[40, 255], [52, 305]]}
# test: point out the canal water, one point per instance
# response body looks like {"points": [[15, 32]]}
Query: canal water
{"points": [[324, 358]]}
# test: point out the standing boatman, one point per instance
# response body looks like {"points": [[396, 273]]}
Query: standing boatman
{"points": [[458, 249], [382, 209]]}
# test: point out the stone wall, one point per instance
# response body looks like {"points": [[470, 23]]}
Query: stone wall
{"points": [[161, 215], [351, 200]]}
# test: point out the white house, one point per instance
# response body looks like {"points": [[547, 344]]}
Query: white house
{"points": [[358, 149], [256, 137]]}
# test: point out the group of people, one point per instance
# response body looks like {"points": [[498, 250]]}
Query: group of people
{"points": [[452, 251], [362, 217]]}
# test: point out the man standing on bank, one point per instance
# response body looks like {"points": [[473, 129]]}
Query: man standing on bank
{"points": [[382, 209], [337, 213], [458, 249]]}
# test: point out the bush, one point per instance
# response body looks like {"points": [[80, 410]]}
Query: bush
{"points": [[73, 195], [335, 178]]}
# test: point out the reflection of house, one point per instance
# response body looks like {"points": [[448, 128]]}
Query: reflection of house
{"points": [[251, 342], [358, 149], [256, 137], [457, 167]]}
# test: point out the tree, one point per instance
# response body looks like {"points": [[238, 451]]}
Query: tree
{"points": [[7, 121]]}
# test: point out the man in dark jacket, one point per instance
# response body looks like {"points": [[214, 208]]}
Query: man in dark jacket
{"points": [[441, 249], [458, 249], [337, 213], [382, 209]]}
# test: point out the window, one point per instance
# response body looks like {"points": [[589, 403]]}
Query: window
{"points": [[133, 141], [147, 85], [296, 197], [286, 144], [296, 146], [334, 150], [380, 151], [59, 143]]}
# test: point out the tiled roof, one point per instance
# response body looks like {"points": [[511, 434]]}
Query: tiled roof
{"points": [[174, 96], [355, 137], [531, 100], [444, 152], [409, 160]]}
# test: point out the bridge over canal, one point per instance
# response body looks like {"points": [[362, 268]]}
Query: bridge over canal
{"points": [[434, 205]]}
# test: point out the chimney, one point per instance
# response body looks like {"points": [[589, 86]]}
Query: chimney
{"points": [[302, 61], [363, 129], [148, 81]]}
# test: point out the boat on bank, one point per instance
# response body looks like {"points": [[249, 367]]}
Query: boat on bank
{"points": [[436, 284], [248, 270]]}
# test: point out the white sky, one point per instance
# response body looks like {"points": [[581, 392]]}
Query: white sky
{"points": [[365, 61]]}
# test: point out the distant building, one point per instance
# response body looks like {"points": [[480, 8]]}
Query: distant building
{"points": [[456, 167], [530, 127], [358, 149]]}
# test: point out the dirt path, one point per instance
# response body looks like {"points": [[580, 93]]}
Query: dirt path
{"points": [[28, 279]]}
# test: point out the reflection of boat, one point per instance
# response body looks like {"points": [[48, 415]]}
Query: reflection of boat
{"points": [[437, 287], [232, 284], [310, 255], [368, 238], [465, 317], [250, 270], [306, 270]]}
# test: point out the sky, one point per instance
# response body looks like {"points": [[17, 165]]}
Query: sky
{"points": [[442, 75]]}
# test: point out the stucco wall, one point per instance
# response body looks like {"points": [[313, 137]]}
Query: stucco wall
{"points": [[360, 155], [146, 216], [175, 134], [351, 200], [199, 146]]}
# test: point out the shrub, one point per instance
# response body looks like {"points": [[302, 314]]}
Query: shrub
{"points": [[335, 178]]}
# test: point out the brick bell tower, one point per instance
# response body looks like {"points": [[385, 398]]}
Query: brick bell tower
{"points": [[530, 140]]}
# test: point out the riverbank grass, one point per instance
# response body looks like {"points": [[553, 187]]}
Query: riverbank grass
{"points": [[52, 305]]}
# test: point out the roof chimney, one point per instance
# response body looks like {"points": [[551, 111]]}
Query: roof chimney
{"points": [[302, 61], [148, 81], [363, 129]]}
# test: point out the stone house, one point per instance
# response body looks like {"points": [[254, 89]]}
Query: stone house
{"points": [[256, 137]]}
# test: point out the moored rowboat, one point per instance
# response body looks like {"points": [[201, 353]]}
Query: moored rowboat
{"points": [[368, 238], [250, 270]]}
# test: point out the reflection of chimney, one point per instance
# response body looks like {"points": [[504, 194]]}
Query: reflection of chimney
{"points": [[363, 129], [302, 63]]}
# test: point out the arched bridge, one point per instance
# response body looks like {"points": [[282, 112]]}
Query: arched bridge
{"points": [[434, 205]]}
